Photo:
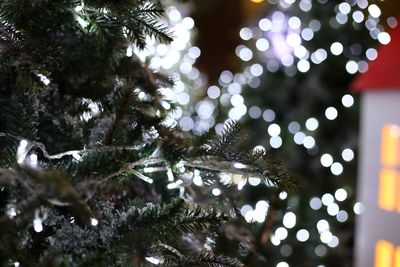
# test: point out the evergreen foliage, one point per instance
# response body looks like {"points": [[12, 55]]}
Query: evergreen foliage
{"points": [[90, 174]]}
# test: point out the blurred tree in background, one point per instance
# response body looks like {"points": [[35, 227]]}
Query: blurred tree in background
{"points": [[292, 94]]}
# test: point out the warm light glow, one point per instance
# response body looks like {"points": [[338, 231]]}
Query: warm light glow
{"points": [[387, 189], [257, 1], [384, 254], [398, 196], [397, 257], [389, 179], [390, 145]]}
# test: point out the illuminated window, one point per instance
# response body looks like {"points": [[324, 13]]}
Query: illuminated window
{"points": [[386, 255], [389, 176]]}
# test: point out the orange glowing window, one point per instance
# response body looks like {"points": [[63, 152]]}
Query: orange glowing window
{"points": [[386, 255], [384, 251], [389, 177], [387, 189]]}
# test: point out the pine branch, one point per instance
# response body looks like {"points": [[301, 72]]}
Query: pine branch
{"points": [[222, 145], [154, 29], [211, 260], [203, 259], [152, 10]]}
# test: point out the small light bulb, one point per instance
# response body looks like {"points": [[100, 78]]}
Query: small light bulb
{"points": [[94, 221]]}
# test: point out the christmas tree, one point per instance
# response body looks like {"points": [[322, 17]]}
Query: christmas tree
{"points": [[92, 172]]}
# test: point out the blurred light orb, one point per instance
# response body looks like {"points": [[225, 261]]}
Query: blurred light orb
{"points": [[333, 209], [326, 237], [351, 67], [294, 23], [374, 11], [234, 88], [327, 199], [283, 195], [246, 208], [262, 44], [293, 39], [337, 168], [320, 250], [302, 235], [237, 100], [326, 160], [188, 23], [262, 205], [384, 38], [254, 181], [358, 16], [334, 242], [371, 54], [341, 18], [336, 48], [331, 113], [245, 54], [174, 14], [254, 112], [274, 129], [294, 127], [275, 241], [299, 137], [308, 142], [305, 5], [342, 216], [273, 65], [341, 194], [322, 226], [213, 92], [320, 55], [186, 123], [344, 8], [282, 264], [347, 154], [289, 220], [303, 65], [246, 34], [359, 208], [257, 1], [315, 203], [301, 52], [281, 233], [183, 98], [226, 76], [194, 52], [256, 69], [315, 25], [269, 115], [287, 60], [205, 109], [347, 100], [362, 66], [392, 22], [307, 34], [362, 4], [265, 24], [275, 141]]}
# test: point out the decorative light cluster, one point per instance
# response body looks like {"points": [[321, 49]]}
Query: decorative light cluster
{"points": [[279, 42], [179, 58], [257, 214], [281, 39]]}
